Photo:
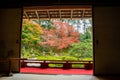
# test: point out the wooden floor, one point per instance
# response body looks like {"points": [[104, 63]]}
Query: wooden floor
{"points": [[57, 77]]}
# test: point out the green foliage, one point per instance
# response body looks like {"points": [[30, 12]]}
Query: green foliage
{"points": [[78, 65], [30, 39], [55, 65], [47, 57], [86, 35], [82, 49], [68, 58], [46, 24]]}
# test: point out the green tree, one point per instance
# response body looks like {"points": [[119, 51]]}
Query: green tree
{"points": [[31, 32], [81, 50], [46, 24], [87, 35]]}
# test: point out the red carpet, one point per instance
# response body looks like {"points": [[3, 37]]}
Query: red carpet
{"points": [[56, 71]]}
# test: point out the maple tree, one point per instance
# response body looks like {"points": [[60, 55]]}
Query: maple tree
{"points": [[62, 36]]}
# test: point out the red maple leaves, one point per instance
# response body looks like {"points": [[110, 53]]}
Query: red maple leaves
{"points": [[61, 37]]}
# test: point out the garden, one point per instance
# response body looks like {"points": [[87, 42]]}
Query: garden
{"points": [[57, 39]]}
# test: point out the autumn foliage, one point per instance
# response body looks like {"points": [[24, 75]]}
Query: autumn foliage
{"points": [[62, 36]]}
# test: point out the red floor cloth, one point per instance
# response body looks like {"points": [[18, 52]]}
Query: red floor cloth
{"points": [[56, 71]]}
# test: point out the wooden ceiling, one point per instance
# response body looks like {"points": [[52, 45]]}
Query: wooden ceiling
{"points": [[57, 12]]}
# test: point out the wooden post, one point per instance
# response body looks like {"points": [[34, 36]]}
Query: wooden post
{"points": [[44, 64], [67, 65]]}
